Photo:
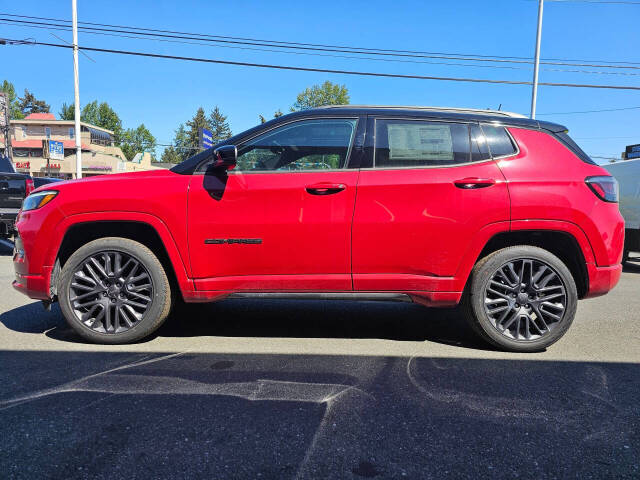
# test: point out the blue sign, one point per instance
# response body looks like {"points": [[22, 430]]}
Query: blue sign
{"points": [[632, 151], [56, 150], [206, 138]]}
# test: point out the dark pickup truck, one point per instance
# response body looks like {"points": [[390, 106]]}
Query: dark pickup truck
{"points": [[14, 187]]}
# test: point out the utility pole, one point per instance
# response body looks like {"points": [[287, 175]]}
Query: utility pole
{"points": [[5, 124], [76, 87], [536, 66]]}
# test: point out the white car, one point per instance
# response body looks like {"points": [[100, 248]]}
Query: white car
{"points": [[627, 172]]}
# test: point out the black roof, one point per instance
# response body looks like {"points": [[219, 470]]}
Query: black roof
{"points": [[442, 113]]}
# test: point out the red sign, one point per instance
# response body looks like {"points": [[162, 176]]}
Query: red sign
{"points": [[23, 164], [54, 165]]}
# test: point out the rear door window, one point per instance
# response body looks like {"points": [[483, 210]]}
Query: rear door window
{"points": [[418, 143], [479, 147], [499, 141]]}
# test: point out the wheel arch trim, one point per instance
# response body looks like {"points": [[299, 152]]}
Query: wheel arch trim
{"points": [[180, 267], [488, 233]]}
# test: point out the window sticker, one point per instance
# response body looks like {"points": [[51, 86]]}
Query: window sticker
{"points": [[420, 142]]}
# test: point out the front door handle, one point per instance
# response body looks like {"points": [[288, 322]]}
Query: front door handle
{"points": [[474, 182], [325, 188]]}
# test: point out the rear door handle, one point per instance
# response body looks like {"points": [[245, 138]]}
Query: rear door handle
{"points": [[470, 183], [325, 188]]}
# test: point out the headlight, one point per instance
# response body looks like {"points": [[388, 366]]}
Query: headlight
{"points": [[38, 199]]}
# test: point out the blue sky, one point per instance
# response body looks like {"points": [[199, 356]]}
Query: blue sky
{"points": [[163, 93]]}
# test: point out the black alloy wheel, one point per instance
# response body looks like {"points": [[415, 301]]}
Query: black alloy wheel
{"points": [[525, 299], [114, 290], [521, 298], [111, 292]]}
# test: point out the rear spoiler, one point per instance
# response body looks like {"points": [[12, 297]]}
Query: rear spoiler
{"points": [[552, 127]]}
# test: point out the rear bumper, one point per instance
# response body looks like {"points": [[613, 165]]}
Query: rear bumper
{"points": [[602, 279]]}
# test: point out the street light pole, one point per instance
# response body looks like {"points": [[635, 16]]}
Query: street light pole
{"points": [[76, 87], [536, 66]]}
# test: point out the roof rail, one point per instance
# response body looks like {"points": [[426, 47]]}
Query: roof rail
{"points": [[433, 109]]}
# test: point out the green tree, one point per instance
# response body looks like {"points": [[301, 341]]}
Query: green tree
{"points": [[170, 155], [181, 143], [277, 113], [14, 108], [98, 114], [318, 95], [30, 104], [219, 126], [67, 112], [137, 140], [194, 125]]}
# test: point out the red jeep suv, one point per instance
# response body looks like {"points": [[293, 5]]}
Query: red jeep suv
{"points": [[504, 215]]}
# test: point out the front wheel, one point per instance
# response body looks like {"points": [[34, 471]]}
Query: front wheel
{"points": [[521, 299], [114, 290]]}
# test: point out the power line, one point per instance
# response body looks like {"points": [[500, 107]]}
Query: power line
{"points": [[591, 111], [307, 46], [603, 138], [313, 44], [613, 2], [510, 67], [343, 72]]}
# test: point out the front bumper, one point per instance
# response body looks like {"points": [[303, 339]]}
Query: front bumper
{"points": [[602, 279], [33, 286]]}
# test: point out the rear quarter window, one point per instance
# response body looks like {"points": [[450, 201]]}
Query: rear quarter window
{"points": [[499, 141]]}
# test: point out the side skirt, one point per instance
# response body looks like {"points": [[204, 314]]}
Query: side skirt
{"points": [[357, 296]]}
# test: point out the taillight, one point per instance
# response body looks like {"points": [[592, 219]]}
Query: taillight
{"points": [[605, 188], [28, 186]]}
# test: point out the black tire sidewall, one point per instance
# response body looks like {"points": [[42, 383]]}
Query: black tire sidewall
{"points": [[487, 269], [151, 320]]}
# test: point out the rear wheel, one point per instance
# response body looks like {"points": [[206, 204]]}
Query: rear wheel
{"points": [[114, 290], [521, 299]]}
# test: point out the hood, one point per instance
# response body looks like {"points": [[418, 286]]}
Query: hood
{"points": [[98, 180]]}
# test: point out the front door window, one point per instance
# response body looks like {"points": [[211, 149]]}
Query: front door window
{"points": [[321, 144]]}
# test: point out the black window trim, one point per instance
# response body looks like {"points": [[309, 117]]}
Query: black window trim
{"points": [[513, 141], [581, 154], [243, 140], [421, 167]]}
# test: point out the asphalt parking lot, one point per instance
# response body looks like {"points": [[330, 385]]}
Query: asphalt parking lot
{"points": [[310, 389]]}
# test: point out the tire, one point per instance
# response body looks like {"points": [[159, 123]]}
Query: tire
{"points": [[625, 257], [526, 332], [130, 288]]}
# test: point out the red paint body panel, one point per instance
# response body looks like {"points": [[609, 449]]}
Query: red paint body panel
{"points": [[546, 182], [304, 235], [412, 227], [602, 279], [382, 230], [157, 198]]}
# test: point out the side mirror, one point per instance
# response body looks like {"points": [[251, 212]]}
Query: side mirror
{"points": [[225, 157]]}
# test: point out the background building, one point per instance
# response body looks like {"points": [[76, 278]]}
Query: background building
{"points": [[99, 154]]}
